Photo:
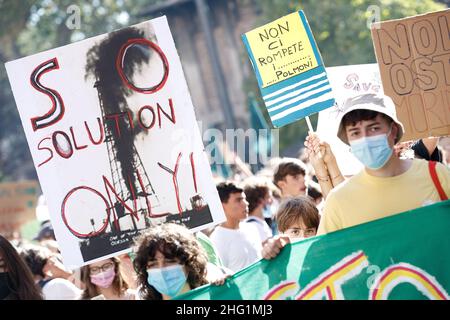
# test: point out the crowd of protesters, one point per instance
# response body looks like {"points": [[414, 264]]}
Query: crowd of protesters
{"points": [[289, 200]]}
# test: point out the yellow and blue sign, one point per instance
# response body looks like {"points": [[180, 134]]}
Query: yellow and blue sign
{"points": [[289, 69]]}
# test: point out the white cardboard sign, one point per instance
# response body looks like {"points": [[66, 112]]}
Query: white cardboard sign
{"points": [[114, 138]]}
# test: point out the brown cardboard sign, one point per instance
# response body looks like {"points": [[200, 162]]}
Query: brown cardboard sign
{"points": [[17, 204], [413, 55]]}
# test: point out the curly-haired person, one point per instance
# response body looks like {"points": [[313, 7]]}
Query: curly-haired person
{"points": [[169, 261]]}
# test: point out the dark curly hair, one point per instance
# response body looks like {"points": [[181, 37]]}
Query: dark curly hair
{"points": [[174, 242]]}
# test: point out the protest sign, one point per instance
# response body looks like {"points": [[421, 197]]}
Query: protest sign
{"points": [[289, 69], [346, 82], [414, 59], [399, 257], [113, 135], [17, 204]]}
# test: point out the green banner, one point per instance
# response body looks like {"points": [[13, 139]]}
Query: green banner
{"points": [[406, 256]]}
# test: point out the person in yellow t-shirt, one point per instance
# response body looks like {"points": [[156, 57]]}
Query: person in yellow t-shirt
{"points": [[387, 185]]}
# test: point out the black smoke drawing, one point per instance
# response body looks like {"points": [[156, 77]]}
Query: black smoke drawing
{"points": [[101, 65], [128, 173]]}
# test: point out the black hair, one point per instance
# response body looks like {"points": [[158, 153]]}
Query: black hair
{"points": [[225, 189], [355, 116], [36, 258]]}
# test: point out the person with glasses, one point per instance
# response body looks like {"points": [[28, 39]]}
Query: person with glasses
{"points": [[104, 280], [297, 218]]}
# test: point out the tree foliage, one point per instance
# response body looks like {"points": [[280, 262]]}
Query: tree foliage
{"points": [[30, 26]]}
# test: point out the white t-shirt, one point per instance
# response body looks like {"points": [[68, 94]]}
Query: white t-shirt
{"points": [[237, 248], [261, 226], [214, 272], [61, 289]]}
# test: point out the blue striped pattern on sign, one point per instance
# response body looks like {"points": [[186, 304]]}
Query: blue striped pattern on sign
{"points": [[298, 97]]}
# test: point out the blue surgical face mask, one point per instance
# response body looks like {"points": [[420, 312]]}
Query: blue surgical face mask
{"points": [[168, 280], [267, 212], [374, 152]]}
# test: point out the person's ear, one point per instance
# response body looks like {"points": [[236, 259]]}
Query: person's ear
{"points": [[394, 132]]}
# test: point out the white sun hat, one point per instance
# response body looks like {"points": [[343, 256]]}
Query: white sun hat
{"points": [[380, 103]]}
